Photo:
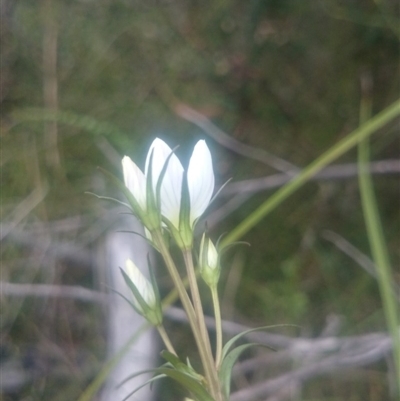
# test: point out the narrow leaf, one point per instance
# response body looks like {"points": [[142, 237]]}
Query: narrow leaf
{"points": [[153, 379], [227, 366], [192, 385], [229, 344]]}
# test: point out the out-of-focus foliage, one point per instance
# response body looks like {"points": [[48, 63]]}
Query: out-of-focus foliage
{"points": [[278, 75]]}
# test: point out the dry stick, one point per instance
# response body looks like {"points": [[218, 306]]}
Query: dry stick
{"points": [[23, 209], [243, 190], [340, 171], [232, 144], [367, 354], [50, 290], [378, 343]]}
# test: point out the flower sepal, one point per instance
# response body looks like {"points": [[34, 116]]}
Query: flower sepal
{"points": [[185, 224]]}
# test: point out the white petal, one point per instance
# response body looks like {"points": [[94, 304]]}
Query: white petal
{"points": [[212, 255], [134, 181], [160, 151], [141, 283], [171, 187], [200, 180]]}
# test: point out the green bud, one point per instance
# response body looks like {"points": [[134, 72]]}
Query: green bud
{"points": [[209, 262]]}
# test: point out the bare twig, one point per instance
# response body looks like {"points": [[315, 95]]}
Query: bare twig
{"points": [[365, 353], [22, 210], [360, 258], [59, 249], [232, 144], [316, 356], [239, 192], [350, 250], [46, 290], [337, 172]]}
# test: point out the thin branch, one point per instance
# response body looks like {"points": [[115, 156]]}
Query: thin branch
{"points": [[59, 249], [239, 192], [337, 172], [22, 210], [365, 354], [232, 144], [46, 290], [360, 258], [316, 356]]}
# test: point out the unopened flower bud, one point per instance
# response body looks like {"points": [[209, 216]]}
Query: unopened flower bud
{"points": [[209, 262], [146, 300]]}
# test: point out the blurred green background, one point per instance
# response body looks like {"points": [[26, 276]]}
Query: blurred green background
{"points": [[283, 76]]}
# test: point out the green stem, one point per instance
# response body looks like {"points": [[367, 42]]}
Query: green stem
{"points": [[194, 289], [377, 243], [326, 158], [218, 325], [165, 338], [190, 312]]}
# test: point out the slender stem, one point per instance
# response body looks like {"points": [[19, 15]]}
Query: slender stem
{"points": [[218, 325], [165, 338], [187, 255], [377, 241], [352, 139], [194, 289], [208, 365]]}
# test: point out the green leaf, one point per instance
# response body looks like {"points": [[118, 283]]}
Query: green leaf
{"points": [[132, 376], [229, 344], [229, 361], [108, 198], [153, 379], [197, 389], [127, 300], [181, 366], [172, 359]]}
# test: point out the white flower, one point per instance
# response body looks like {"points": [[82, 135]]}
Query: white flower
{"points": [[136, 181], [200, 182], [171, 187]]}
